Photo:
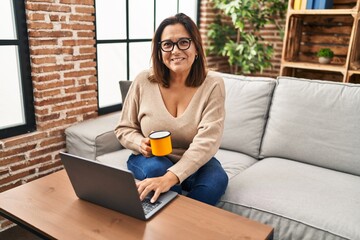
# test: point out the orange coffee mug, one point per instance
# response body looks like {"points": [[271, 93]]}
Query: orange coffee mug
{"points": [[160, 142]]}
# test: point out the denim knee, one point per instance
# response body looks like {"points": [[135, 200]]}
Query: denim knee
{"points": [[208, 184], [219, 179], [156, 169], [144, 167], [220, 182]]}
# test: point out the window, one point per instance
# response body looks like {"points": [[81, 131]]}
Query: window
{"points": [[124, 29], [16, 97]]}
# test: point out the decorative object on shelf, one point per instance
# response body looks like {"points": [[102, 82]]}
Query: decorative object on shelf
{"points": [[300, 4], [303, 4], [309, 4], [297, 4], [323, 4], [319, 4], [325, 55]]}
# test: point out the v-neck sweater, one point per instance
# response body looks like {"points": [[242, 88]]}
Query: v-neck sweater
{"points": [[195, 134]]}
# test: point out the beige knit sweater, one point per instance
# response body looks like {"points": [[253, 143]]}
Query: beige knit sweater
{"points": [[195, 135]]}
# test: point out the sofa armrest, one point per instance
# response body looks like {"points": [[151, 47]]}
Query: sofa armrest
{"points": [[93, 137]]}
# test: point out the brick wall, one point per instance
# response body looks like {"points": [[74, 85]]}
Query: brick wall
{"points": [[62, 52], [207, 16]]}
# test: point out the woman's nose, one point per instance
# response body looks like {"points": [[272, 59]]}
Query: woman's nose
{"points": [[176, 48]]}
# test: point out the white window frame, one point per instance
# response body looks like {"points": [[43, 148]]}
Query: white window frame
{"points": [[107, 74], [16, 104]]}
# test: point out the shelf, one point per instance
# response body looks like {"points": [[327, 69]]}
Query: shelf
{"points": [[355, 66], [338, 7], [317, 66], [354, 77], [309, 30], [355, 54], [314, 74], [307, 34], [354, 73], [323, 12]]}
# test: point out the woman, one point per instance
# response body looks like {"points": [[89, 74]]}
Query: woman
{"points": [[178, 95]]}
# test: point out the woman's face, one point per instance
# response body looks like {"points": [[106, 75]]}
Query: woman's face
{"points": [[178, 61]]}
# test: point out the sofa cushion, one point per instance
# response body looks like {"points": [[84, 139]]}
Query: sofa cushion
{"points": [[300, 201], [93, 137], [316, 122], [234, 162], [124, 88], [116, 159], [247, 103]]}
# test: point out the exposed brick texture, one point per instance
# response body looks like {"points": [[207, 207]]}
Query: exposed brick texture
{"points": [[62, 56]]}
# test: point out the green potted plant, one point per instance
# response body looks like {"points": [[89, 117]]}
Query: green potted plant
{"points": [[325, 55], [241, 40]]}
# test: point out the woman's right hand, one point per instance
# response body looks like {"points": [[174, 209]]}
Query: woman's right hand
{"points": [[145, 148]]}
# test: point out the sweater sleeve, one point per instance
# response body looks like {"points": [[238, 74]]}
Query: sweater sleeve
{"points": [[128, 130], [209, 133]]}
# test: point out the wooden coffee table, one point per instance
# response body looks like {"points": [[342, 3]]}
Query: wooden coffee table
{"points": [[49, 208]]}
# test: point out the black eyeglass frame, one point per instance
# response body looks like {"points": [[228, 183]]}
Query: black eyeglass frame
{"points": [[175, 43]]}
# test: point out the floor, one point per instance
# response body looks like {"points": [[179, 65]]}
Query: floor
{"points": [[17, 233]]}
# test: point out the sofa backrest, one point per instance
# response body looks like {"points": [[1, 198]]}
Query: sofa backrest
{"points": [[315, 122], [247, 104]]}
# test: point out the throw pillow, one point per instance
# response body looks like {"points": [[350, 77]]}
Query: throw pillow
{"points": [[124, 88]]}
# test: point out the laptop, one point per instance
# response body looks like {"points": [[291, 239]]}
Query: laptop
{"points": [[110, 187]]}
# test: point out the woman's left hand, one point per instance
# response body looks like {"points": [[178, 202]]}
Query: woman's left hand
{"points": [[145, 148], [158, 185]]}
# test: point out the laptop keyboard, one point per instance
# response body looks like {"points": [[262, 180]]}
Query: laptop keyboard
{"points": [[148, 206]]}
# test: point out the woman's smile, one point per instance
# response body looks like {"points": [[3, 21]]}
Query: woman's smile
{"points": [[177, 59]]}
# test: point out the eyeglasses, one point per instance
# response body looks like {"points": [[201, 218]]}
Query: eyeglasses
{"points": [[182, 44]]}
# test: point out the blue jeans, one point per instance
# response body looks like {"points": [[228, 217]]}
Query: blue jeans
{"points": [[207, 185]]}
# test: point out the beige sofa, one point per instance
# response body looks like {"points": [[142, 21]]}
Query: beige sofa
{"points": [[291, 149]]}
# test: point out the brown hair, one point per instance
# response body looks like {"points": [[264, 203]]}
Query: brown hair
{"points": [[161, 73]]}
